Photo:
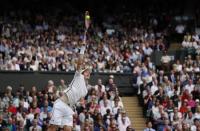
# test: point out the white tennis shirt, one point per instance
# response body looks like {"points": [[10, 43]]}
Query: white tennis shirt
{"points": [[77, 89]]}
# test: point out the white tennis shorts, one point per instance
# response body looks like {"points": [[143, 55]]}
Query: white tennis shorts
{"points": [[62, 114]]}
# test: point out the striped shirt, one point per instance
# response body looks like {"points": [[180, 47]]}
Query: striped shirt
{"points": [[77, 89]]}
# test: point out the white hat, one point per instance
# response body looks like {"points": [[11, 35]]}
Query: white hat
{"points": [[14, 59], [9, 88], [111, 76], [26, 59], [165, 77], [50, 82]]}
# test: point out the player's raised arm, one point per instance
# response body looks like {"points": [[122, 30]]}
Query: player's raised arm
{"points": [[81, 57], [80, 62]]}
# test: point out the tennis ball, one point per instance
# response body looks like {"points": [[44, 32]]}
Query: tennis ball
{"points": [[87, 17]]}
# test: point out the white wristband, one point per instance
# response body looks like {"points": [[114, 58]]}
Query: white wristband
{"points": [[82, 50]]}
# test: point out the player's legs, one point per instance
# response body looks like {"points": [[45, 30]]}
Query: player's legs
{"points": [[67, 122], [62, 116]]}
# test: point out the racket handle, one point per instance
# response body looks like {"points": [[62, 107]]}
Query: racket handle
{"points": [[85, 36]]}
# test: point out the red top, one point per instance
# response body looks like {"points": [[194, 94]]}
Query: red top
{"points": [[183, 109], [12, 109]]}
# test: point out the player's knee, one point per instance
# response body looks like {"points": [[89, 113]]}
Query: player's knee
{"points": [[52, 128], [67, 128]]}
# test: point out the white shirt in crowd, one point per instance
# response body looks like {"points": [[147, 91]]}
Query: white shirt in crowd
{"points": [[104, 108], [190, 121], [195, 37], [165, 59], [155, 110], [115, 110], [26, 104], [96, 87], [82, 117], [185, 43], [30, 116], [189, 87], [156, 115], [34, 66], [179, 67], [180, 29], [101, 103], [15, 67], [120, 104], [77, 128], [189, 69], [154, 88], [16, 102], [123, 126], [197, 115], [19, 116], [43, 115], [147, 51], [196, 69], [193, 128]]}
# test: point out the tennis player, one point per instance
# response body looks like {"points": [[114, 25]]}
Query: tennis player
{"points": [[62, 113]]}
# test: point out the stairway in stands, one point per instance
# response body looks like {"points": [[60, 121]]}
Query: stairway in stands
{"points": [[134, 112]]}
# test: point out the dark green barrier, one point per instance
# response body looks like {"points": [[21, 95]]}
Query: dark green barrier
{"points": [[40, 79]]}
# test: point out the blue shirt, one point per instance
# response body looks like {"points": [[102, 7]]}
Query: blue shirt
{"points": [[49, 109], [149, 129]]}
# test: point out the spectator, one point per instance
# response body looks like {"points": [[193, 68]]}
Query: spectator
{"points": [[123, 121], [11, 126], [195, 126], [46, 107], [35, 109], [2, 105], [76, 127], [189, 86], [180, 29], [100, 88], [112, 125], [2, 122], [35, 126], [99, 124], [185, 126], [197, 114], [50, 87], [165, 59], [149, 126], [116, 106], [61, 87], [11, 108], [104, 108]]}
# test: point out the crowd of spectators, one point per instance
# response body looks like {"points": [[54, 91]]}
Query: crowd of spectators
{"points": [[30, 110], [49, 42], [191, 43], [171, 99], [121, 43]]}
